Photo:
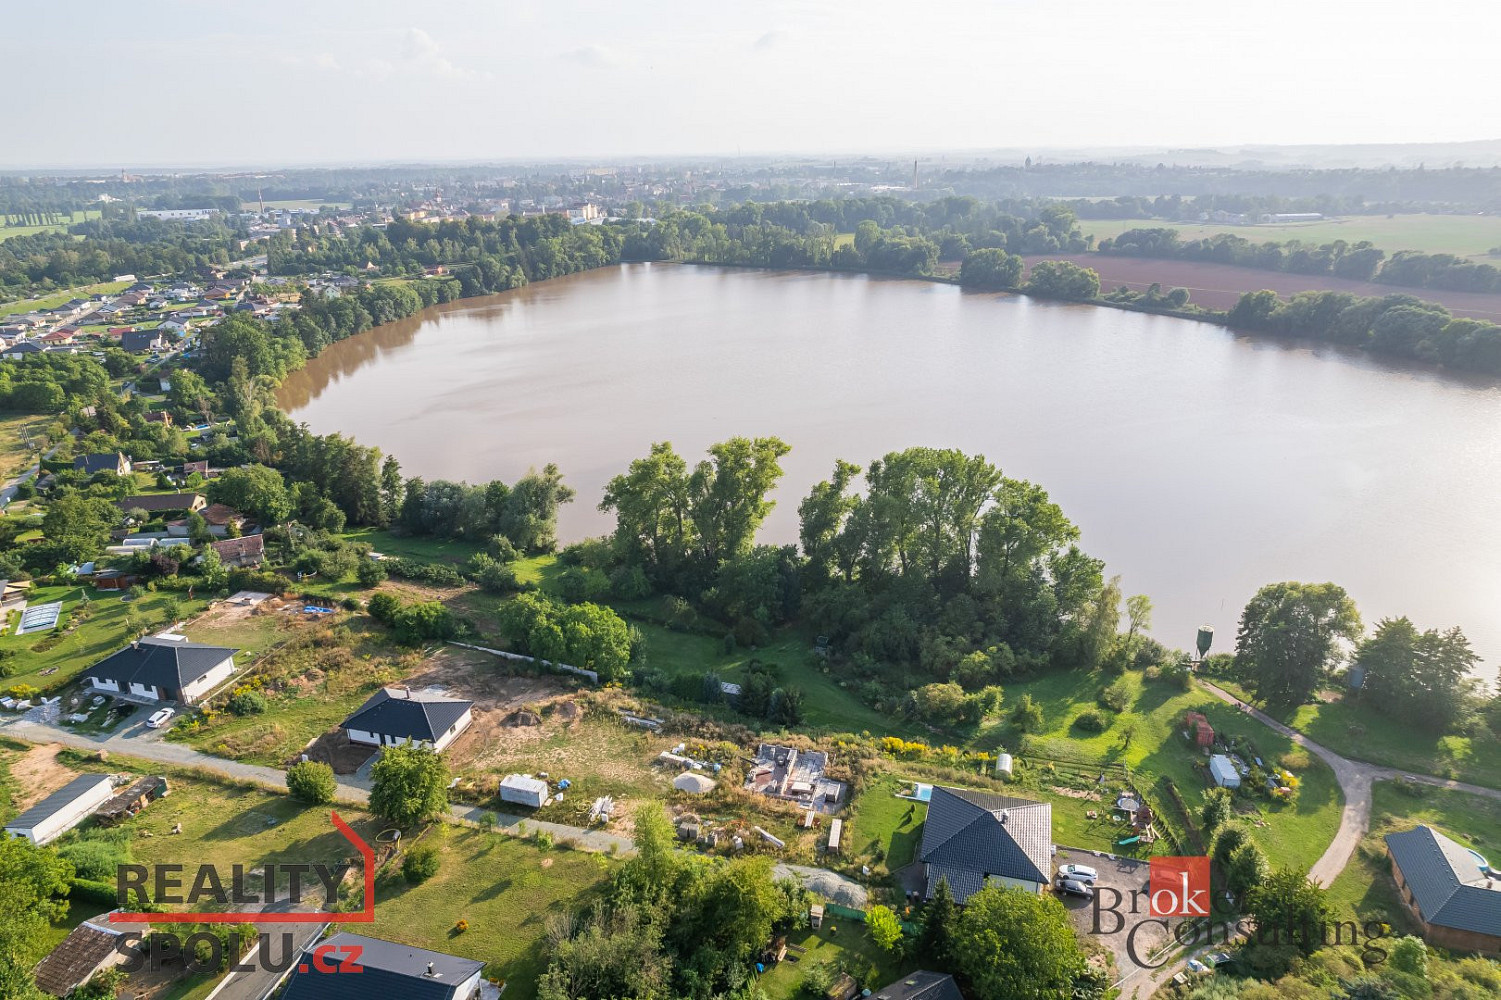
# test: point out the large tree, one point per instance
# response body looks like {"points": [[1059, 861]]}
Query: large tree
{"points": [[1423, 677], [33, 893], [1289, 639], [1010, 944], [256, 491], [409, 784], [1289, 910]]}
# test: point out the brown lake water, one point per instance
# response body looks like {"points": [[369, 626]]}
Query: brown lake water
{"points": [[1199, 464]]}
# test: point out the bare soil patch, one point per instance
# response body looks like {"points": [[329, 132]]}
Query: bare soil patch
{"points": [[334, 749], [38, 774], [1220, 286]]}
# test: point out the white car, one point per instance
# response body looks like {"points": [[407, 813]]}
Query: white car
{"points": [[1074, 887], [1080, 873], [159, 719]]}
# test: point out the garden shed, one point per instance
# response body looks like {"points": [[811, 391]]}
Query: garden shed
{"points": [[62, 810], [1223, 771], [523, 789]]}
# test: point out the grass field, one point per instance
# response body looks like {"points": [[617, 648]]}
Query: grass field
{"points": [[842, 944], [15, 456], [1359, 732], [58, 298], [505, 888], [1366, 889], [1465, 235]]}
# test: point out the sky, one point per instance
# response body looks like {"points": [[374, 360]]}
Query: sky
{"points": [[287, 82]]}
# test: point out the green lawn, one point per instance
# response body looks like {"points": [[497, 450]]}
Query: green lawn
{"points": [[505, 888], [1365, 888], [1465, 235], [882, 826], [101, 633], [1360, 732], [842, 944], [16, 430], [9, 228], [413, 546], [58, 298]]}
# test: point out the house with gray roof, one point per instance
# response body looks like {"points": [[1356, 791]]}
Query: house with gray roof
{"points": [[1449, 889], [394, 716], [108, 461], [62, 810], [974, 839], [921, 985], [387, 969], [163, 669]]}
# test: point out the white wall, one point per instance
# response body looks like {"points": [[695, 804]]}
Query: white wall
{"points": [[208, 681], [100, 684], [145, 691], [69, 816], [455, 730]]}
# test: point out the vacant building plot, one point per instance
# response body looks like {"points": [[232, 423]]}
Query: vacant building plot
{"points": [[1220, 286]]}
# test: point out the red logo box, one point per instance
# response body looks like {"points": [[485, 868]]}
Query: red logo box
{"points": [[1179, 887]]}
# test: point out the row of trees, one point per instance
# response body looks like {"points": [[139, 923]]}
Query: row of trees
{"points": [[1399, 325], [1357, 261], [40, 261]]}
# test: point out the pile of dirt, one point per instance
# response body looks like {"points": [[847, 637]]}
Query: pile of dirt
{"points": [[524, 718], [569, 711]]}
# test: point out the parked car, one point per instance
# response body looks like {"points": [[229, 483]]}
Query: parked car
{"points": [[1219, 959], [1073, 887], [1080, 873], [159, 718]]}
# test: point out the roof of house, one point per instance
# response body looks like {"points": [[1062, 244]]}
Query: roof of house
{"points": [[160, 663], [100, 462], [921, 985], [160, 501], [140, 340], [391, 970], [1447, 882], [246, 547], [59, 799], [970, 836], [396, 712], [218, 513], [77, 958], [524, 782]]}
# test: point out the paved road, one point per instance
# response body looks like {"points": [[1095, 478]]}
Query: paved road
{"points": [[258, 982], [8, 491]]}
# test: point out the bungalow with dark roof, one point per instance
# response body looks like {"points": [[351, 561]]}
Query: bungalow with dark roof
{"points": [[975, 839], [137, 341], [1449, 889], [386, 969], [159, 669], [394, 716], [109, 461]]}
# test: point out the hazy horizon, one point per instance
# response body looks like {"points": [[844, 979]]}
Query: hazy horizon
{"points": [[163, 83]]}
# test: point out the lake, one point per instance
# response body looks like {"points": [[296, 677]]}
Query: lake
{"points": [[1199, 464]]}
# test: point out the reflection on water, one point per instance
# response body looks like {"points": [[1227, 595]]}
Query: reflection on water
{"points": [[1199, 464]]}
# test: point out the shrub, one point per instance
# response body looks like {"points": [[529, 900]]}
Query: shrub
{"points": [[1092, 720], [1027, 716], [501, 549], [383, 607], [246, 702], [1117, 696], [544, 840], [95, 860], [369, 572], [311, 782], [420, 864]]}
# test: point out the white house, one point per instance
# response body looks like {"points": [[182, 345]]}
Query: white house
{"points": [[62, 810], [1222, 770], [163, 669], [523, 790], [394, 716]]}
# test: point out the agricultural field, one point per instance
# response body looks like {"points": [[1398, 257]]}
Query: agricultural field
{"points": [[1220, 286], [11, 225], [1463, 235]]}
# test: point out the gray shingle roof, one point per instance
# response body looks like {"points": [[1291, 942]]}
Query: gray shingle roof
{"points": [[80, 954], [391, 970], [1446, 881], [921, 985], [969, 836], [57, 800], [160, 663], [403, 716]]}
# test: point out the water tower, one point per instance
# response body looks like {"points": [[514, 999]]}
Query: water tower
{"points": [[1204, 640]]}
